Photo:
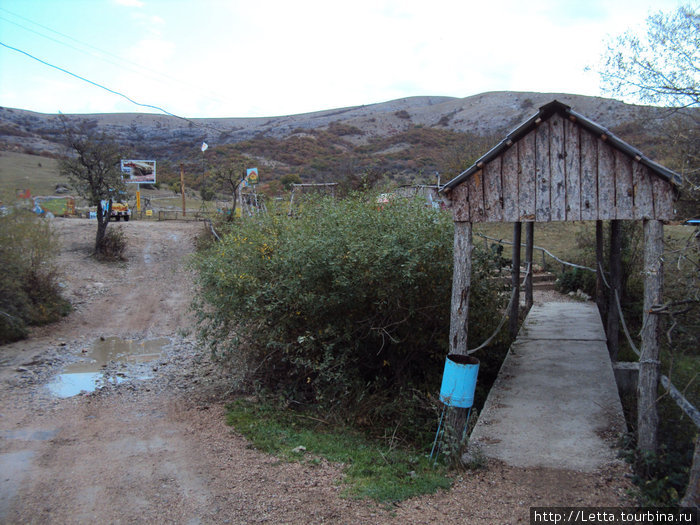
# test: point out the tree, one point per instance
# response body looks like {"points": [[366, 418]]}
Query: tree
{"points": [[663, 67], [289, 179], [229, 177], [660, 67], [93, 169]]}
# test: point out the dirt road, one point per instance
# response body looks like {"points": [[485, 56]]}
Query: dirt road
{"points": [[157, 450]]}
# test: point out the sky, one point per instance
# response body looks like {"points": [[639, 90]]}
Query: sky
{"points": [[263, 58]]}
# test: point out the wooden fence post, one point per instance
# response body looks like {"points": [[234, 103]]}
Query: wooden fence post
{"points": [[647, 415], [515, 279], [613, 325], [459, 315], [529, 243]]}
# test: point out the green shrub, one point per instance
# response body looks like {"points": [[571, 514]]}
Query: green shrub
{"points": [[345, 306], [29, 291], [113, 245], [573, 279]]}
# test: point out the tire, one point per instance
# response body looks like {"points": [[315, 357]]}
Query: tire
{"points": [[116, 218], [126, 218]]}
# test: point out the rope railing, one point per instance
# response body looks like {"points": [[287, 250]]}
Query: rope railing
{"points": [[504, 317], [535, 247]]}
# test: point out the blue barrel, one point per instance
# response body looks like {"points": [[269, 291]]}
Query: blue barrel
{"points": [[459, 380]]}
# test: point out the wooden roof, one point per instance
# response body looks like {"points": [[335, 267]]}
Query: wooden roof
{"points": [[561, 166]]}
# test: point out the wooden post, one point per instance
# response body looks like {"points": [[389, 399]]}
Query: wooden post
{"points": [[529, 243], [459, 315], [515, 279], [461, 285], [182, 187], [613, 325], [692, 492], [647, 416], [599, 267]]}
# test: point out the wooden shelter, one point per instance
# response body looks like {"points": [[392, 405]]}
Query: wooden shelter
{"points": [[561, 166]]}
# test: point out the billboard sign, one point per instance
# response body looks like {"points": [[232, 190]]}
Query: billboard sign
{"points": [[252, 175], [138, 171]]}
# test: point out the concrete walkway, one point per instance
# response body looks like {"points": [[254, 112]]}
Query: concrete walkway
{"points": [[555, 403]]}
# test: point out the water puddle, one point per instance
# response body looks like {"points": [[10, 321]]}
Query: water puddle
{"points": [[88, 374]]}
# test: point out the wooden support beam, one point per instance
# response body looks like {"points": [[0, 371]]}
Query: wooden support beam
{"points": [[515, 279], [647, 415], [459, 315], [599, 266], [461, 285], [613, 324], [529, 243]]}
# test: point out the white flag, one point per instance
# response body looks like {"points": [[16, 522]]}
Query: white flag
{"points": [[204, 146]]}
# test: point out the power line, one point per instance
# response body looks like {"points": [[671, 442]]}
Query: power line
{"points": [[149, 71], [91, 82], [157, 108]]}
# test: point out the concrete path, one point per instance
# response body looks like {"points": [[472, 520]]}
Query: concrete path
{"points": [[555, 403]]}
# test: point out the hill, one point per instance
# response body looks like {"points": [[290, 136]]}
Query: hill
{"points": [[406, 139]]}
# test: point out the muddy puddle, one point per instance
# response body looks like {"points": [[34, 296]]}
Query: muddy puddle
{"points": [[89, 373]]}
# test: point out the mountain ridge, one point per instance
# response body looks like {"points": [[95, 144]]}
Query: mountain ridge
{"points": [[483, 114]]}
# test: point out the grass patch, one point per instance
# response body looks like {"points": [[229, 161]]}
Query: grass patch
{"points": [[20, 171], [372, 469]]}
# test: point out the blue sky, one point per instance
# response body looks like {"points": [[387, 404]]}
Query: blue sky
{"points": [[218, 58]]}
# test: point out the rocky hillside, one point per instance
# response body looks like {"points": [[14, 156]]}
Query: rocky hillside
{"points": [[406, 135]]}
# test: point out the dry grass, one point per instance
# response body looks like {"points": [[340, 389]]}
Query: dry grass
{"points": [[19, 171]]}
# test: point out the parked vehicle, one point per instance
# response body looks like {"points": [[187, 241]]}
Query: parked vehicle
{"points": [[119, 210]]}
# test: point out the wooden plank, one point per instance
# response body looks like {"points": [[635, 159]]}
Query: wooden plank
{"points": [[663, 199], [527, 177], [558, 168], [475, 186], [509, 170], [573, 170], [589, 177], [543, 173], [624, 202], [459, 197], [643, 191], [606, 181], [493, 191]]}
